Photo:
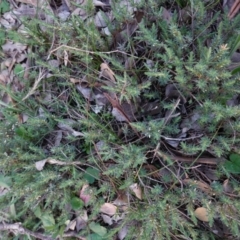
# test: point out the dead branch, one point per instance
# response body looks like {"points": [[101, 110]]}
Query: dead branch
{"points": [[17, 228]]}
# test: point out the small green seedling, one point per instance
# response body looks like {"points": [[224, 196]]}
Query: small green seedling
{"points": [[233, 165]]}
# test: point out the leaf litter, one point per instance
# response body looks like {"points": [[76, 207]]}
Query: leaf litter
{"points": [[123, 111]]}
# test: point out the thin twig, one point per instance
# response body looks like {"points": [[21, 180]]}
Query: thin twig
{"points": [[86, 51], [181, 139], [234, 9], [206, 160], [172, 111], [17, 228], [32, 91]]}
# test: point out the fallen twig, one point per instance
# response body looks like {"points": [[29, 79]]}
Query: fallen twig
{"points": [[205, 160], [234, 9], [17, 228]]}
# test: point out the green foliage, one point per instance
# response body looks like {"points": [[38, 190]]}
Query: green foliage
{"points": [[4, 6], [91, 174], [233, 165], [109, 155], [76, 203], [98, 229]]}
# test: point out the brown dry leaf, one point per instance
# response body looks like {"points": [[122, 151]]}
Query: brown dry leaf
{"points": [[85, 91], [6, 100], [6, 63], [125, 113], [107, 219], [166, 15], [123, 232], [198, 184], [63, 12], [3, 191], [40, 164], [8, 20], [74, 80], [122, 199], [137, 190], [108, 208], [81, 13], [201, 214], [22, 118], [107, 72], [35, 3], [81, 220], [100, 99], [118, 112], [227, 187], [4, 77], [11, 48], [105, 31], [25, 10], [70, 225], [100, 19], [99, 3], [84, 194], [118, 115]]}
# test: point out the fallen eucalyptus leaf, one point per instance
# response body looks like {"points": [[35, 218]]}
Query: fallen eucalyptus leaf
{"points": [[227, 187], [137, 190], [118, 115], [84, 194], [11, 48], [70, 225], [85, 91], [123, 232], [107, 219], [201, 214], [108, 208], [100, 19], [107, 72], [121, 200], [81, 221], [40, 164]]}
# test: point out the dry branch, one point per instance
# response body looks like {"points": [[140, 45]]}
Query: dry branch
{"points": [[17, 228]]}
